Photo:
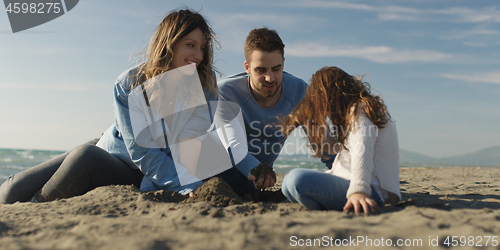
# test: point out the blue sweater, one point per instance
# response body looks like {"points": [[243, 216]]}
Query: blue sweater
{"points": [[264, 140]]}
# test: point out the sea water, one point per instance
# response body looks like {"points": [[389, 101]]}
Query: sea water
{"points": [[13, 161], [283, 166]]}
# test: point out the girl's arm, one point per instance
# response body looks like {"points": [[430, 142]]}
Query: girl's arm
{"points": [[361, 145]]}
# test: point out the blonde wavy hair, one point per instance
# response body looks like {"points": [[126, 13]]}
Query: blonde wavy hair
{"points": [[159, 53]]}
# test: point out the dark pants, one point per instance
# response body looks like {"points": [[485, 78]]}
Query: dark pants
{"points": [[70, 174]]}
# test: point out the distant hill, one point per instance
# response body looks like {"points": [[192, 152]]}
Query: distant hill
{"points": [[406, 156], [485, 157]]}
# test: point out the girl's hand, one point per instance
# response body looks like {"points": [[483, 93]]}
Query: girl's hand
{"points": [[360, 200]]}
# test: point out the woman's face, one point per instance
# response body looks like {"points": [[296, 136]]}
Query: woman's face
{"points": [[189, 49]]}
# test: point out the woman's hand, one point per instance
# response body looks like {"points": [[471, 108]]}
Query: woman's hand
{"points": [[360, 200]]}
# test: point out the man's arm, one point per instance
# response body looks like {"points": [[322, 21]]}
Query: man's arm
{"points": [[231, 131]]}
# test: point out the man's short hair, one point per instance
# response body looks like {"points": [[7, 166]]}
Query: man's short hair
{"points": [[265, 40]]}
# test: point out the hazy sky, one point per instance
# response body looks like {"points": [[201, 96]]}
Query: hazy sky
{"points": [[436, 63]]}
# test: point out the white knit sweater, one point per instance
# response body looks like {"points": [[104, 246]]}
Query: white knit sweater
{"points": [[372, 159]]}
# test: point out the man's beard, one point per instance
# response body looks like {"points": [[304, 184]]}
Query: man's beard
{"points": [[261, 92]]}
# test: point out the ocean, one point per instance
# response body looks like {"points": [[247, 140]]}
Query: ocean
{"points": [[16, 160], [13, 161]]}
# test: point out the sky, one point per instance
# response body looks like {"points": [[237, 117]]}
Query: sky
{"points": [[435, 63]]}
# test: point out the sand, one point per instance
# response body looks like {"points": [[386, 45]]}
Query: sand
{"points": [[437, 203]]}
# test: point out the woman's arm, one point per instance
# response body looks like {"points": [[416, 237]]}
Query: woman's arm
{"points": [[189, 152], [152, 156]]}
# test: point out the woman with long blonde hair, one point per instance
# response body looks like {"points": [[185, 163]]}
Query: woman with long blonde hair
{"points": [[340, 116], [155, 107]]}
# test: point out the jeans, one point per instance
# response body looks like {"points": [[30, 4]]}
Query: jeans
{"points": [[318, 191], [70, 174]]}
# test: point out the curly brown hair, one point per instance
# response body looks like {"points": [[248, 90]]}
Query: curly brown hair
{"points": [[335, 95], [263, 39]]}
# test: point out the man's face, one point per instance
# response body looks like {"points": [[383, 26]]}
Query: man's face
{"points": [[266, 71]]}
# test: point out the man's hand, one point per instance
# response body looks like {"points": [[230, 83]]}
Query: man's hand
{"points": [[263, 176], [361, 202]]}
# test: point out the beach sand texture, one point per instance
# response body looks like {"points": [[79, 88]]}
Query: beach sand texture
{"points": [[437, 203]]}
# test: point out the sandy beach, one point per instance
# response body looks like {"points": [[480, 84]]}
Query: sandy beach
{"points": [[441, 206]]}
